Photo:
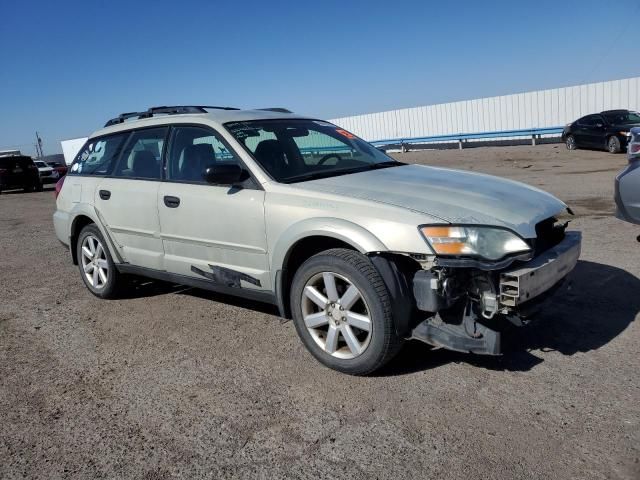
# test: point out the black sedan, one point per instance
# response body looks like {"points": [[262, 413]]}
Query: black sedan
{"points": [[19, 171], [607, 130]]}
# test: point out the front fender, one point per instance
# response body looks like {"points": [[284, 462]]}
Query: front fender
{"points": [[348, 232]]}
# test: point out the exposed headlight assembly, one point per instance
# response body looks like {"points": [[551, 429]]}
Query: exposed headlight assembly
{"points": [[485, 242]]}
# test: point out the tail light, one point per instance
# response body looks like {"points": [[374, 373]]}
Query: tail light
{"points": [[3, 171], [59, 184]]}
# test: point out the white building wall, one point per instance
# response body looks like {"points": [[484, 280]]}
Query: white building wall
{"points": [[540, 109]]}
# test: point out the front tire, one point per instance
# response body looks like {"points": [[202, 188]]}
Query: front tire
{"points": [[570, 142], [342, 312], [613, 145], [97, 270]]}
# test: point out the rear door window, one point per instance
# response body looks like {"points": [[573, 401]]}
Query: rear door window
{"points": [[98, 156], [142, 155], [586, 121]]}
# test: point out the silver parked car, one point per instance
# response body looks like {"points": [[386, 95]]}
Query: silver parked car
{"points": [[47, 173], [627, 192], [361, 251]]}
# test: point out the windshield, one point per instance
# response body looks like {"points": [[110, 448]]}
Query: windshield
{"points": [[40, 164], [294, 150], [622, 118]]}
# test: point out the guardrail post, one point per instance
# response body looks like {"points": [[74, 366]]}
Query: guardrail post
{"points": [[533, 140], [403, 147]]}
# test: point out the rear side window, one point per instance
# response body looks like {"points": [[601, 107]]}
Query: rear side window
{"points": [[142, 155], [98, 156], [7, 163], [590, 120]]}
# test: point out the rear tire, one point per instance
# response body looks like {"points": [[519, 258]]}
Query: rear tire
{"points": [[97, 270], [613, 145], [28, 189], [342, 312], [570, 142]]}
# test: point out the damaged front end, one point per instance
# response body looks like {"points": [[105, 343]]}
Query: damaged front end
{"points": [[464, 304]]}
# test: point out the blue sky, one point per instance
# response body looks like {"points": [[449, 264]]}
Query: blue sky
{"points": [[66, 67]]}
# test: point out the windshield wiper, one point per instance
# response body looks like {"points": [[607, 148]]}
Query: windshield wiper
{"points": [[390, 163], [318, 175], [346, 171]]}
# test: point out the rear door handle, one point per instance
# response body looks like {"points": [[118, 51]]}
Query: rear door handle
{"points": [[105, 194], [171, 202]]}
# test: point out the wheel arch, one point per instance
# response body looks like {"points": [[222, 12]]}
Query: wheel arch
{"points": [[307, 238], [82, 218]]}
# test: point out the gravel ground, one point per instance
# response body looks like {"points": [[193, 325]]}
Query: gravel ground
{"points": [[176, 382]]}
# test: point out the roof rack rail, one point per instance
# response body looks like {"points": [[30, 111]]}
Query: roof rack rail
{"points": [[275, 109], [172, 110]]}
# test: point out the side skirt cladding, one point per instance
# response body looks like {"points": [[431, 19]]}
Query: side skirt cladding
{"points": [[207, 283], [226, 276]]}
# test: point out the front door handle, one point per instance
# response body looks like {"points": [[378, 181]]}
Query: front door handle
{"points": [[105, 194], [171, 202]]}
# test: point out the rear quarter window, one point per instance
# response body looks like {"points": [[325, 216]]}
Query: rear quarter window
{"points": [[98, 156]]}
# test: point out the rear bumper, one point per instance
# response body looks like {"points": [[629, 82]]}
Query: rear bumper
{"points": [[522, 284], [61, 226]]}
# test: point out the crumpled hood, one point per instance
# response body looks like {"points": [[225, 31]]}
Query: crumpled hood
{"points": [[454, 196]]}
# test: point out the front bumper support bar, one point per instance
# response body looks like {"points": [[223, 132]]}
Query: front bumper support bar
{"points": [[468, 336], [519, 285]]}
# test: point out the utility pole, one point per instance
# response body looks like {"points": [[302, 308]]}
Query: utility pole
{"points": [[39, 146]]}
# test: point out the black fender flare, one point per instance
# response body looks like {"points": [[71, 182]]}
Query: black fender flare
{"points": [[397, 273]]}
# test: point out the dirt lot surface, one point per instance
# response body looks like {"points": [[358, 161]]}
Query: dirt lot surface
{"points": [[174, 382]]}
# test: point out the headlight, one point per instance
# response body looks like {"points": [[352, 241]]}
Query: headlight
{"points": [[485, 242]]}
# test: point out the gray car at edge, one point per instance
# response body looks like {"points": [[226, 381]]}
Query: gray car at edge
{"points": [[627, 184]]}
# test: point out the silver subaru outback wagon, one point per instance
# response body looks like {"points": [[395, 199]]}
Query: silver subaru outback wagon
{"points": [[363, 252]]}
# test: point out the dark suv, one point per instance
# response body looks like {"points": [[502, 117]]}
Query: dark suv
{"points": [[19, 171], [608, 130]]}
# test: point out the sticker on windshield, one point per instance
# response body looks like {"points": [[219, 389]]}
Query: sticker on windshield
{"points": [[345, 133], [323, 124]]}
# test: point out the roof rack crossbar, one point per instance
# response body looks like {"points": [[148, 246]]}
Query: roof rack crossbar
{"points": [[172, 110]]}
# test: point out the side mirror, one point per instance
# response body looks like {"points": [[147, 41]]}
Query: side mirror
{"points": [[230, 174]]}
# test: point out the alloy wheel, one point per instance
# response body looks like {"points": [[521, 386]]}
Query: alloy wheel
{"points": [[336, 315], [94, 262]]}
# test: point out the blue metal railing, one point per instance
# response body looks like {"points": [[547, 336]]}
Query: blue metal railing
{"points": [[528, 132]]}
